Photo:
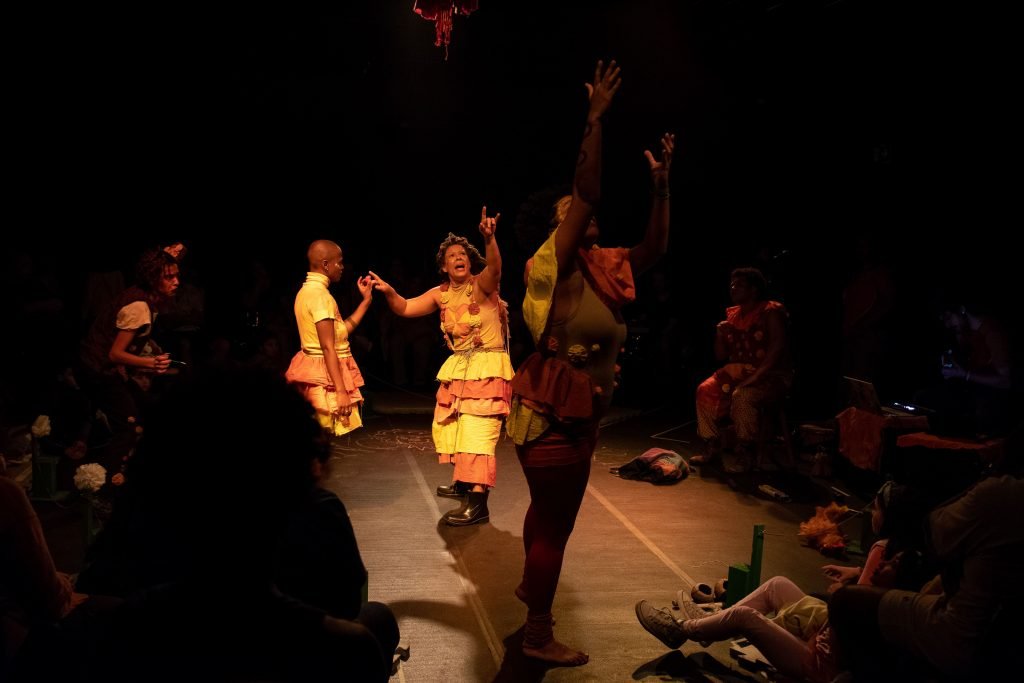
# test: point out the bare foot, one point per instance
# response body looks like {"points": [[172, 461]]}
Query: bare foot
{"points": [[558, 654]]}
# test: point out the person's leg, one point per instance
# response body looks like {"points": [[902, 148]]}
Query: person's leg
{"points": [[380, 620], [787, 653], [555, 496], [475, 466], [709, 394], [853, 613], [772, 595]]}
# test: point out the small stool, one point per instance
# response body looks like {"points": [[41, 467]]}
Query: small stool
{"points": [[44, 476]]}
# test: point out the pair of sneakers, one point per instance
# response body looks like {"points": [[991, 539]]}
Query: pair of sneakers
{"points": [[661, 624]]}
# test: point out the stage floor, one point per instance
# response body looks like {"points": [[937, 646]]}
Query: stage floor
{"points": [[452, 588]]}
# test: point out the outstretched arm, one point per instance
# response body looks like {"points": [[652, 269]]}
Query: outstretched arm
{"points": [[586, 186], [424, 304], [490, 277], [365, 286], [655, 243]]}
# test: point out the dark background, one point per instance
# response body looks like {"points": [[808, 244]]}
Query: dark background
{"points": [[800, 125]]}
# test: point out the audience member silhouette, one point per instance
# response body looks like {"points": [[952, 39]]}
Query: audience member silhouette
{"points": [[797, 639], [119, 356], [963, 628], [221, 473]]}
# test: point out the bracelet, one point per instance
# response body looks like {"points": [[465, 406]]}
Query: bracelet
{"points": [[662, 194]]}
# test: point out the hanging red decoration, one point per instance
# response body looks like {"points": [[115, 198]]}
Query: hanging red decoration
{"points": [[441, 13]]}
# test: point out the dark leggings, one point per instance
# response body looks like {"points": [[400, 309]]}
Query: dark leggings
{"points": [[556, 493]]}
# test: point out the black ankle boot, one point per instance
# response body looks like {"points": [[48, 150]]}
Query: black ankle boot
{"points": [[473, 511], [456, 489]]}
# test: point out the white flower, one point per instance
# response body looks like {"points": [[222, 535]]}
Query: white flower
{"points": [[41, 427], [90, 477]]}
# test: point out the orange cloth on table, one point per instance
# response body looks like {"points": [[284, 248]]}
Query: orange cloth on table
{"points": [[860, 437], [989, 450]]}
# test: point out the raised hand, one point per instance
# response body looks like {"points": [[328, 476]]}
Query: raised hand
{"points": [[365, 286], [840, 574], [660, 168], [378, 283], [488, 225], [606, 83]]}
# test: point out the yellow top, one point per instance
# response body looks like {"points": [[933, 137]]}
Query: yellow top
{"points": [[314, 303]]}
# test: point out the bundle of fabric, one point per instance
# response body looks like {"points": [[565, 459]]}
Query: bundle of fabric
{"points": [[822, 530], [656, 465]]}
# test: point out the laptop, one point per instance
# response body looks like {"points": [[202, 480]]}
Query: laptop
{"points": [[862, 394]]}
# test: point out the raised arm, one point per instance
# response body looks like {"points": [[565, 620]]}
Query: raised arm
{"points": [[424, 304], [586, 186], [365, 285], [655, 243], [490, 277]]}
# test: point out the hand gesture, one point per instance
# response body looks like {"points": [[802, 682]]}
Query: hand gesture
{"points": [[842, 575], [659, 169], [606, 83], [379, 284], [488, 225], [365, 285], [161, 363]]}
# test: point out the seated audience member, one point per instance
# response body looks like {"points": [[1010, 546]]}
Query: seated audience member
{"points": [[966, 626], [222, 469], [32, 592], [119, 356], [319, 562], [798, 640], [753, 341]]}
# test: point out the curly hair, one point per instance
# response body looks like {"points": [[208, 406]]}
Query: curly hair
{"points": [[149, 270], [754, 278], [476, 261]]}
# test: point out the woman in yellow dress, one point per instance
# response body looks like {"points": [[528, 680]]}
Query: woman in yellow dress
{"points": [[475, 380]]}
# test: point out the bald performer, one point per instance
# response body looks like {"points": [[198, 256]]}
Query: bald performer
{"points": [[324, 369]]}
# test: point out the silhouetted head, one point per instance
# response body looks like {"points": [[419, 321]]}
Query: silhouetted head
{"points": [[747, 285], [223, 462]]}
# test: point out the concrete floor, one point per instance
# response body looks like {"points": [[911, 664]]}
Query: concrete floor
{"points": [[452, 588]]}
